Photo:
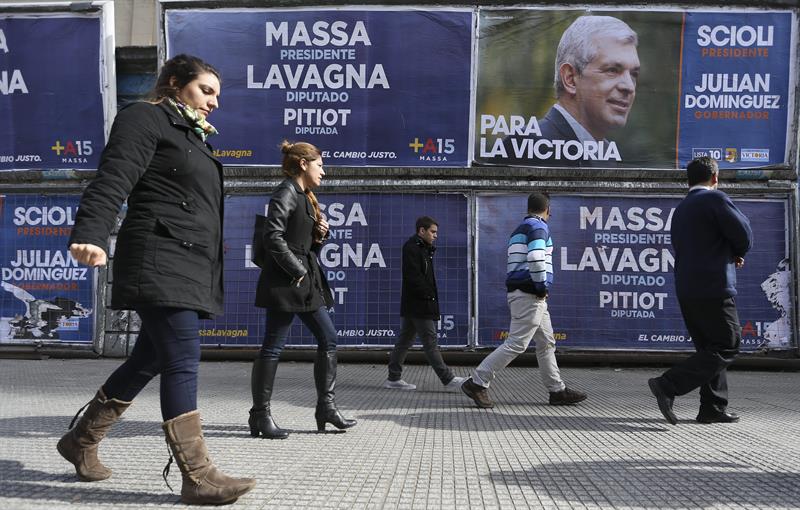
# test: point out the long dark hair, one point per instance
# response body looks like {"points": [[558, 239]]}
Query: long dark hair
{"points": [[184, 68]]}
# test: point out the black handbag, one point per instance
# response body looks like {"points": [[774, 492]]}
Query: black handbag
{"points": [[258, 253]]}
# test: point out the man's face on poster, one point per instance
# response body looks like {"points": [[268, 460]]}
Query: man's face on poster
{"points": [[605, 91]]}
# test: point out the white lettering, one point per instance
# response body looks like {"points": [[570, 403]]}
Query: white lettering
{"points": [[15, 84], [44, 216], [649, 260], [337, 218], [348, 255], [634, 219], [333, 76], [516, 125], [733, 35], [324, 34]]}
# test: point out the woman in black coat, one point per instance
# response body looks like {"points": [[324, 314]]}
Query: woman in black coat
{"points": [[292, 283], [167, 267]]}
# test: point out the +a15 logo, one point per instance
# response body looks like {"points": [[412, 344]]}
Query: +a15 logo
{"points": [[434, 149], [73, 151]]}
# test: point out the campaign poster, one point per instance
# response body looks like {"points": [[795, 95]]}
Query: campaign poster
{"points": [[52, 105], [735, 88], [363, 263], [641, 89], [46, 296], [613, 268], [378, 87]]}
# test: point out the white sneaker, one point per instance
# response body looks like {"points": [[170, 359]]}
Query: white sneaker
{"points": [[398, 385], [455, 384]]}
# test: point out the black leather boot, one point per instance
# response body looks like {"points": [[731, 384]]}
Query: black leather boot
{"points": [[261, 422], [325, 380]]}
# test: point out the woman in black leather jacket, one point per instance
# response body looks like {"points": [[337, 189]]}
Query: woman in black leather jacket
{"points": [[292, 283]]}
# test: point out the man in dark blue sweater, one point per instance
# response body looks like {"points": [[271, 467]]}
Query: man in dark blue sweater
{"points": [[710, 236]]}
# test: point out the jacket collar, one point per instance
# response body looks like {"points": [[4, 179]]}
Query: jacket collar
{"points": [[421, 242], [581, 133], [296, 186], [177, 120], [298, 189], [174, 118], [560, 124]]}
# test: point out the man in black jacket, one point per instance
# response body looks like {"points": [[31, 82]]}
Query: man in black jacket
{"points": [[710, 236], [419, 307]]}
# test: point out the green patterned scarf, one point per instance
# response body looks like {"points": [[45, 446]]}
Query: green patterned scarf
{"points": [[195, 120]]}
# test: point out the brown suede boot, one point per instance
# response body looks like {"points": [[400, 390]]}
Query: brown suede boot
{"points": [[79, 445], [203, 482]]}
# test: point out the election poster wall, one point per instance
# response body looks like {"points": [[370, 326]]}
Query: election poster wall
{"points": [[53, 97], [371, 87], [613, 267], [45, 296], [633, 89], [362, 261]]}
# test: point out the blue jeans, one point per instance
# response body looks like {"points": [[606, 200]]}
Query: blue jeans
{"points": [[278, 323], [169, 345]]}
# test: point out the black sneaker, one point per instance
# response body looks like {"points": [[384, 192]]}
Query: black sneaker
{"points": [[477, 393], [566, 397]]}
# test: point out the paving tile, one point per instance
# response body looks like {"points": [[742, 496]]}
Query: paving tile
{"points": [[425, 449]]}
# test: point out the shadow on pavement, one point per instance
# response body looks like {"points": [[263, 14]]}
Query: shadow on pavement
{"points": [[221, 430], [32, 427], [481, 420], [492, 420], [646, 483], [56, 426], [20, 482]]}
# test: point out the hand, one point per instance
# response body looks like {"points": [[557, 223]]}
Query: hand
{"points": [[88, 254], [322, 228], [739, 262]]}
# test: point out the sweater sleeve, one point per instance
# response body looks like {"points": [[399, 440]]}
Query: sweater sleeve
{"points": [[735, 227], [537, 259]]}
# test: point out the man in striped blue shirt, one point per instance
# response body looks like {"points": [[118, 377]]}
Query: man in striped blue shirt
{"points": [[528, 281]]}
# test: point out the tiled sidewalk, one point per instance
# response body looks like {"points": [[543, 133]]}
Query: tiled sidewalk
{"points": [[423, 449]]}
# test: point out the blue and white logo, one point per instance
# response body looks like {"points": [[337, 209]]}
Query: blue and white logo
{"points": [[755, 155]]}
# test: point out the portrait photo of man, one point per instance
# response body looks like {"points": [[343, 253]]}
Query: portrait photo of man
{"points": [[574, 78], [596, 71]]}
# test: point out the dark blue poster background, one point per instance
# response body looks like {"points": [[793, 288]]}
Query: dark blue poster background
{"points": [[369, 87], [363, 262], [51, 102], [613, 285], [735, 88], [45, 296]]}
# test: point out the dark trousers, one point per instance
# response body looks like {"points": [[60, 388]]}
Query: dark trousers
{"points": [[169, 345], [716, 334], [426, 329], [278, 324]]}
